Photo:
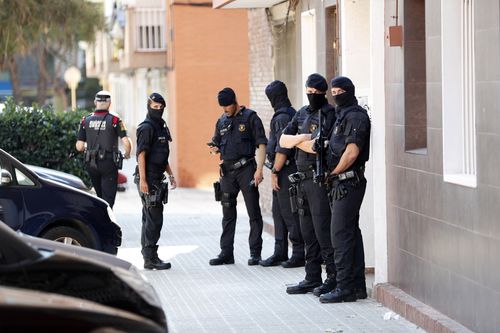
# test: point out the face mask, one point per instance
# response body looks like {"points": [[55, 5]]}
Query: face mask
{"points": [[155, 113], [316, 101], [343, 99]]}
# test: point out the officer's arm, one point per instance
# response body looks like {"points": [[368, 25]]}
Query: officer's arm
{"points": [[127, 145], [347, 159], [290, 141], [260, 156], [80, 145], [141, 161]]}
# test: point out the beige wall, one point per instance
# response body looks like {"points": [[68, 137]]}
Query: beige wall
{"points": [[209, 51]]}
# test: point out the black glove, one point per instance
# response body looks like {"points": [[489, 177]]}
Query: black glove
{"points": [[317, 145], [338, 191]]}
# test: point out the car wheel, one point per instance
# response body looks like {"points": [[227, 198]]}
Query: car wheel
{"points": [[67, 235]]}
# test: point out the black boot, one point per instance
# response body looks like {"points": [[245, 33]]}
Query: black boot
{"points": [[327, 286], [254, 260], [338, 295], [360, 293], [303, 287], [293, 262], [222, 259], [156, 263], [273, 260]]}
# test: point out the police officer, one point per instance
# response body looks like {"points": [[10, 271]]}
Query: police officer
{"points": [[312, 199], [349, 149], [98, 137], [238, 132], [286, 223], [153, 137]]}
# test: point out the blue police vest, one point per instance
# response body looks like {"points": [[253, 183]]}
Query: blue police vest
{"points": [[157, 157], [237, 140]]}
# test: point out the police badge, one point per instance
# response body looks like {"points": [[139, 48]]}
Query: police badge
{"points": [[242, 128], [312, 128]]}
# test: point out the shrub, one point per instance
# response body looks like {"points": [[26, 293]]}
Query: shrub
{"points": [[40, 136]]}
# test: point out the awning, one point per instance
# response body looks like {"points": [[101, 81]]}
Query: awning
{"points": [[227, 4]]}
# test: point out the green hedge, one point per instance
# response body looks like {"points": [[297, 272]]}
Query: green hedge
{"points": [[43, 137]]}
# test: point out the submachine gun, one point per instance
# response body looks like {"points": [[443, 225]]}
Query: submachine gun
{"points": [[319, 148]]}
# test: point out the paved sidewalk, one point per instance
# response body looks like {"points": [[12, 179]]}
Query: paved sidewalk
{"points": [[232, 298]]}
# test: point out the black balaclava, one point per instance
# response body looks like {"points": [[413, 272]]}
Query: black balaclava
{"points": [[316, 101], [347, 98], [156, 114], [277, 94], [226, 97]]}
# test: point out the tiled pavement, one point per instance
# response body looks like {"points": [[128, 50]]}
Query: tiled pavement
{"points": [[232, 298]]}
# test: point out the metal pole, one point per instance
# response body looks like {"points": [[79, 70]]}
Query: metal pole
{"points": [[73, 98]]}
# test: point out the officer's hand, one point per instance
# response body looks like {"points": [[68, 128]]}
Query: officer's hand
{"points": [[143, 186], [339, 190], [274, 182], [173, 183], [214, 150], [258, 176]]}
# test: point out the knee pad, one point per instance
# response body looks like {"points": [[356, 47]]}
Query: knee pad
{"points": [[228, 200]]}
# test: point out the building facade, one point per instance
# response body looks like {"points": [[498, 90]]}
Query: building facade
{"points": [[429, 72]]}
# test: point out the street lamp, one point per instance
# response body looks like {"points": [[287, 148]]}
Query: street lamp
{"points": [[72, 76]]}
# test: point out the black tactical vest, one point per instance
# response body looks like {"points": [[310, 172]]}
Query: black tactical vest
{"points": [[308, 123], [351, 119], [102, 132], [157, 157], [237, 140], [286, 113]]}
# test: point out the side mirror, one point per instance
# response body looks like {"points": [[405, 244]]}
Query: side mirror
{"points": [[6, 177]]}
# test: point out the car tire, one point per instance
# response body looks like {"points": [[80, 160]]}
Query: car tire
{"points": [[67, 235]]}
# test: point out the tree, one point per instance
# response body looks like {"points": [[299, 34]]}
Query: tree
{"points": [[44, 28]]}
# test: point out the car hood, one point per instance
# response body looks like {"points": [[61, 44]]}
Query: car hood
{"points": [[57, 313], [58, 176], [83, 273]]}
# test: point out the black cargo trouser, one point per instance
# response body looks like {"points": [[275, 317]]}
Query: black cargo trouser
{"points": [[315, 216], [286, 223], [104, 179], [152, 220], [231, 184], [346, 236]]}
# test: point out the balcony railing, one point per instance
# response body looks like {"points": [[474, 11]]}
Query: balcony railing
{"points": [[150, 32]]}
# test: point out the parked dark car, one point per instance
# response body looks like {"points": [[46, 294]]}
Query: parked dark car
{"points": [[51, 287], [59, 176], [45, 208]]}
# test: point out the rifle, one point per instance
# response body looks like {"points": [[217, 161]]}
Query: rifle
{"points": [[319, 146]]}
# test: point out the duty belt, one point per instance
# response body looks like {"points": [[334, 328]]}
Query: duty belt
{"points": [[238, 164], [359, 172]]}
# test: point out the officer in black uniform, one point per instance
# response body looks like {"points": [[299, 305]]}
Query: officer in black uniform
{"points": [[349, 149], [286, 222], [238, 132], [312, 199], [153, 137], [98, 137]]}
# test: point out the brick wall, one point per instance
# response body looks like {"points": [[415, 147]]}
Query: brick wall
{"points": [[261, 74]]}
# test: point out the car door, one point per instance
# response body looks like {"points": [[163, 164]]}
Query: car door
{"points": [[11, 197]]}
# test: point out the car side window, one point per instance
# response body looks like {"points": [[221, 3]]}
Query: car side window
{"points": [[22, 179]]}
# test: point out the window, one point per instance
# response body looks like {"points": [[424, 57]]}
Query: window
{"points": [[22, 179], [415, 79], [150, 29], [458, 86]]}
